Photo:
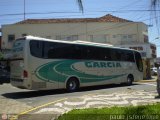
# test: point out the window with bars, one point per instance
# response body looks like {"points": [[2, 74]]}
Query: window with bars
{"points": [[11, 38]]}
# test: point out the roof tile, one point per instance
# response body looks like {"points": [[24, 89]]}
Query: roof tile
{"points": [[106, 18]]}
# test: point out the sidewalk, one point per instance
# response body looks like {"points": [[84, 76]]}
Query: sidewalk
{"points": [[98, 100], [10, 106]]}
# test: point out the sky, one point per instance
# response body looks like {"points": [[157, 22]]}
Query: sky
{"points": [[12, 11]]}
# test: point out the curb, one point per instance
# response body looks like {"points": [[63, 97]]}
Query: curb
{"points": [[145, 81]]}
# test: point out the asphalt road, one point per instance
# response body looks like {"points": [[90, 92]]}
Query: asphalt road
{"points": [[36, 98]]}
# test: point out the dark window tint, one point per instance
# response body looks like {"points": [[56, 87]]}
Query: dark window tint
{"points": [[58, 50], [49, 50], [127, 56], [11, 38], [80, 52], [115, 55], [139, 61], [93, 53], [99, 53], [54, 50], [24, 34], [36, 48], [122, 55]]}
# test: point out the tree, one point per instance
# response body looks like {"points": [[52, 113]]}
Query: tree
{"points": [[155, 6], [155, 3], [80, 5]]}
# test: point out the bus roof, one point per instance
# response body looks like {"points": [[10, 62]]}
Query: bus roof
{"points": [[80, 42], [91, 43]]}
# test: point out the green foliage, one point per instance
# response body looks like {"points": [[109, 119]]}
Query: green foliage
{"points": [[146, 112], [1, 56]]}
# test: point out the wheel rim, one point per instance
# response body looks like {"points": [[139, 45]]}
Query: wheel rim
{"points": [[129, 81], [72, 85]]}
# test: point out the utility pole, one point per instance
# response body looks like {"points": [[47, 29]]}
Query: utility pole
{"points": [[24, 9], [158, 81]]}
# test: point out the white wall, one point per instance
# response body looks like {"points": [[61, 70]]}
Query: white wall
{"points": [[113, 31]]}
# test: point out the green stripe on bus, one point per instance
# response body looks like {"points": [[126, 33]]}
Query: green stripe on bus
{"points": [[59, 71]]}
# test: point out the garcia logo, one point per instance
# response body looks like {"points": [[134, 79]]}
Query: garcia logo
{"points": [[93, 64]]}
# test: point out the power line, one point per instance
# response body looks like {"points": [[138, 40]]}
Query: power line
{"points": [[135, 2], [39, 13], [128, 23], [117, 25], [120, 25], [34, 13], [78, 16]]}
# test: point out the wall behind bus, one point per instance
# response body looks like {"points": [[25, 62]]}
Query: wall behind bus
{"points": [[102, 32]]}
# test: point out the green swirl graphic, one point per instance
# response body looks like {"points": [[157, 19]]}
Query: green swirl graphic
{"points": [[59, 71]]}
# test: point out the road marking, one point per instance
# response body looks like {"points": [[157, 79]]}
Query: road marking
{"points": [[41, 106], [119, 98], [35, 108], [90, 94], [59, 110]]}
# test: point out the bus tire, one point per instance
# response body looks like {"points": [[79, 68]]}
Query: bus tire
{"points": [[130, 80], [72, 84]]}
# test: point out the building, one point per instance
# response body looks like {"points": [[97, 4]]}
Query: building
{"points": [[0, 42], [106, 29], [158, 60]]}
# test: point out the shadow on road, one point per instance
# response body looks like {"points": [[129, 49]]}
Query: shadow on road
{"points": [[31, 94]]}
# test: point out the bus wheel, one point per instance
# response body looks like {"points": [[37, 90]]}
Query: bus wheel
{"points": [[130, 80], [72, 84]]}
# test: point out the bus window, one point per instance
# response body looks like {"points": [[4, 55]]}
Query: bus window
{"points": [[115, 55], [127, 56], [77, 52], [58, 50], [49, 50], [105, 53], [97, 54], [138, 60], [36, 48], [93, 53]]}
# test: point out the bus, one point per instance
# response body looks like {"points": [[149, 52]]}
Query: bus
{"points": [[42, 64]]}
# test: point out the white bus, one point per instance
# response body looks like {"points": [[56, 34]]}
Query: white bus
{"points": [[41, 64]]}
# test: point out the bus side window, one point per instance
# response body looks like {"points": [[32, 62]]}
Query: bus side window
{"points": [[76, 52], [139, 61], [91, 51], [51, 53], [48, 50], [130, 56], [127, 56], [36, 48], [106, 54], [113, 55]]}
